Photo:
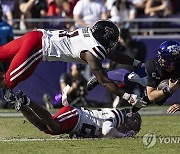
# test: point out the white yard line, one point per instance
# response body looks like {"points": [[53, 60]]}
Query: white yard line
{"points": [[41, 139]]}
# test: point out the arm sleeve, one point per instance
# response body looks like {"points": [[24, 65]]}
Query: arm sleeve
{"points": [[109, 130]]}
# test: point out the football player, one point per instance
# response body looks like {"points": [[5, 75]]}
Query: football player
{"points": [[85, 45], [111, 123], [164, 67]]}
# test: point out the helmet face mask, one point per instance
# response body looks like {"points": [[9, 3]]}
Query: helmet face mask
{"points": [[168, 55], [106, 33], [166, 63]]}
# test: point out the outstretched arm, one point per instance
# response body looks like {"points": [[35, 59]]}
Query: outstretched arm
{"points": [[121, 58], [109, 131], [101, 75]]}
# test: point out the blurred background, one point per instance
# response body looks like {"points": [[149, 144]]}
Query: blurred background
{"points": [[143, 24]]}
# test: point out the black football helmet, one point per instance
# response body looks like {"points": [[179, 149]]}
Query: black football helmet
{"points": [[132, 121], [106, 33]]}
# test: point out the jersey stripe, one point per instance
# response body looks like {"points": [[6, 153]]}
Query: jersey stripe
{"points": [[117, 117], [23, 64], [67, 117], [66, 113], [97, 53], [121, 116], [102, 51], [34, 58]]}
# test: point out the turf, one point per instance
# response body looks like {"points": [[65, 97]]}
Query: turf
{"points": [[19, 128]]}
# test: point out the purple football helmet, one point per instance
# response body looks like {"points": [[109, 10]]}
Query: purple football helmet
{"points": [[168, 54]]}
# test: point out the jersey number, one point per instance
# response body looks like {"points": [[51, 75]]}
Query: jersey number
{"points": [[69, 35], [88, 130]]}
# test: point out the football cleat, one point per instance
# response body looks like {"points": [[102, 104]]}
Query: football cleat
{"points": [[17, 105], [22, 98], [9, 96], [92, 83]]}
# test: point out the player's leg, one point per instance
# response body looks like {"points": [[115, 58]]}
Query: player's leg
{"points": [[122, 76], [30, 115], [25, 54], [33, 118], [44, 115], [119, 75]]}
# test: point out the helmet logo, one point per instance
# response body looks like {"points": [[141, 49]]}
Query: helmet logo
{"points": [[174, 49], [108, 31]]}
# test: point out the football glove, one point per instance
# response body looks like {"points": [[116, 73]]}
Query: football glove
{"points": [[134, 100]]}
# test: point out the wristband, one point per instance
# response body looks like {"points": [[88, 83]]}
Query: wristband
{"points": [[136, 63], [167, 91]]}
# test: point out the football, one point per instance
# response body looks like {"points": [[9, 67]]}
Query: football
{"points": [[163, 84]]}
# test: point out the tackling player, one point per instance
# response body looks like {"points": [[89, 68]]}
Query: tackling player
{"points": [[111, 123], [86, 45]]}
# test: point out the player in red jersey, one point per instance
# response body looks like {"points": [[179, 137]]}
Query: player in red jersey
{"points": [[81, 122]]}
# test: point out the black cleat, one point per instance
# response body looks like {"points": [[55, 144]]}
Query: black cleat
{"points": [[93, 82], [9, 96]]}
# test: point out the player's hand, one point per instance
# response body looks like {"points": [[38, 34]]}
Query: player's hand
{"points": [[135, 100], [173, 108], [174, 85]]}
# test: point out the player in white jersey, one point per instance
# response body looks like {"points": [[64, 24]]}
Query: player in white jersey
{"points": [[81, 122], [63, 46], [86, 45]]}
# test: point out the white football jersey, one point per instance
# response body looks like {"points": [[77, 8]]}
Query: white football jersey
{"points": [[60, 45], [91, 121]]}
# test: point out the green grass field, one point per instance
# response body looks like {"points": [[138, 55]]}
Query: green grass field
{"points": [[31, 140]]}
